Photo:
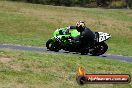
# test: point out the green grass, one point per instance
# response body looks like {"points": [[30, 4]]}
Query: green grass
{"points": [[43, 70], [33, 24]]}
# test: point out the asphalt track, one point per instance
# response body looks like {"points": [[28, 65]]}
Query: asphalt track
{"points": [[39, 49]]}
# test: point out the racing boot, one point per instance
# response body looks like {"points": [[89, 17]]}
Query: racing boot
{"points": [[84, 50]]}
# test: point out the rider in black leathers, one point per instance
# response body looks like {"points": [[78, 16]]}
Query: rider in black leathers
{"points": [[86, 37]]}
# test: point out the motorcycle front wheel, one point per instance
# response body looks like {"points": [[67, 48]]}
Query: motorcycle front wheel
{"points": [[51, 45]]}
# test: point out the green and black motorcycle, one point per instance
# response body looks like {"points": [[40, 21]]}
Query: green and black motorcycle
{"points": [[62, 39]]}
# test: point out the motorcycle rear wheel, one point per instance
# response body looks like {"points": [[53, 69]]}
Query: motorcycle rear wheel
{"points": [[99, 49]]}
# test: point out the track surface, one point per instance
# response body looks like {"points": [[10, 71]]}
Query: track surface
{"points": [[38, 49]]}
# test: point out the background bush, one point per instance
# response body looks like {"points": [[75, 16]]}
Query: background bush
{"points": [[85, 3]]}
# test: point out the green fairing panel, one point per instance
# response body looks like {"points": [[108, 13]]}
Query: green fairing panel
{"points": [[74, 33], [56, 33], [53, 39]]}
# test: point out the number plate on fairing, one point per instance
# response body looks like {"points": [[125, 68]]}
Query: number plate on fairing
{"points": [[103, 36]]}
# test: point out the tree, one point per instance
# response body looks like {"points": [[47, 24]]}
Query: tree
{"points": [[103, 3], [129, 3]]}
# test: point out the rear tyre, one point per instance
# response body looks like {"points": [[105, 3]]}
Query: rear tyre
{"points": [[99, 49]]}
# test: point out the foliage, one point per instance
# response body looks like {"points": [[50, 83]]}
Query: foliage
{"points": [[84, 3], [129, 3], [59, 2]]}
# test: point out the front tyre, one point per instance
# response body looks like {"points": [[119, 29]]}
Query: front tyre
{"points": [[99, 49], [51, 45]]}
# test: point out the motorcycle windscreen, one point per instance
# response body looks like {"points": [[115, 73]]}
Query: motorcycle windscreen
{"points": [[103, 36]]}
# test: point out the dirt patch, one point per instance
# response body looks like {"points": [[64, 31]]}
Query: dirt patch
{"points": [[5, 59]]}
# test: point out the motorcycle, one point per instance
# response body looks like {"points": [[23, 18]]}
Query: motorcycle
{"points": [[63, 40]]}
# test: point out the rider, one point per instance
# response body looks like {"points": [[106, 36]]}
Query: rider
{"points": [[86, 37]]}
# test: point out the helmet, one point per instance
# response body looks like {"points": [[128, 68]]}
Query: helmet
{"points": [[80, 23], [80, 26]]}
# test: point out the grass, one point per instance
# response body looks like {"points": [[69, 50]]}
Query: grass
{"points": [[20, 69], [33, 24]]}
